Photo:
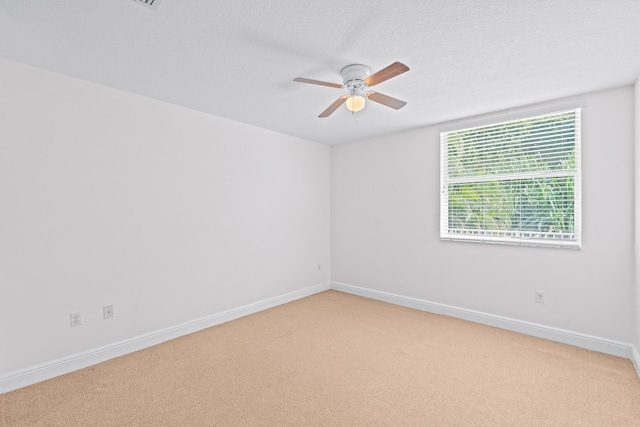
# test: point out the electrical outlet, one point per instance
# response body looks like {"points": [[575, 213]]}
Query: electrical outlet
{"points": [[107, 312], [540, 297], [76, 319]]}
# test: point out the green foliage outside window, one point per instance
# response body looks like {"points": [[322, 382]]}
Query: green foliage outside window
{"points": [[513, 176]]}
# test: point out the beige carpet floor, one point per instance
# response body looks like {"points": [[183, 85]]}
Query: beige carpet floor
{"points": [[335, 359]]}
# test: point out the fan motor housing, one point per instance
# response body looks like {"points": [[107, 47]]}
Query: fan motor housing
{"points": [[353, 75]]}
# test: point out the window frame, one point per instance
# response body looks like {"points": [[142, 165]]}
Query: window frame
{"points": [[447, 234]]}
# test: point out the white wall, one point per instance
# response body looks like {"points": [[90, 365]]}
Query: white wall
{"points": [[171, 215], [637, 213], [166, 213], [385, 231]]}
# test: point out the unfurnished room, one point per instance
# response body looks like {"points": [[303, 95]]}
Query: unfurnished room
{"points": [[319, 213]]}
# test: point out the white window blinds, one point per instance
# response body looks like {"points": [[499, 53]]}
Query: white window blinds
{"points": [[513, 182]]}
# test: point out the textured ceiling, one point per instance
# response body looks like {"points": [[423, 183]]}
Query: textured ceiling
{"points": [[237, 59]]}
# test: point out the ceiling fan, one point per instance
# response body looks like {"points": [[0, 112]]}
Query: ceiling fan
{"points": [[357, 80]]}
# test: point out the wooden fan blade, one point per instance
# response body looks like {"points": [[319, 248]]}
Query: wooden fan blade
{"points": [[392, 70], [386, 100], [317, 82], [333, 107]]}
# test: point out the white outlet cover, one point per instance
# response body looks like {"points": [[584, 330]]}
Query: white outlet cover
{"points": [[107, 312], [540, 296], [76, 319]]}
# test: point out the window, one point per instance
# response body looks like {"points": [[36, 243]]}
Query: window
{"points": [[516, 181]]}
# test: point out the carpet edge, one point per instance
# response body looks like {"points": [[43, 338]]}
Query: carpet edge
{"points": [[48, 370], [577, 339]]}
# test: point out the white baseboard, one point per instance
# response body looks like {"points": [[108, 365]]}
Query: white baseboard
{"points": [[45, 371], [635, 358], [576, 339]]}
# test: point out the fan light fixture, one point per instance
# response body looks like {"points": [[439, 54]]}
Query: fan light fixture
{"points": [[355, 102]]}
